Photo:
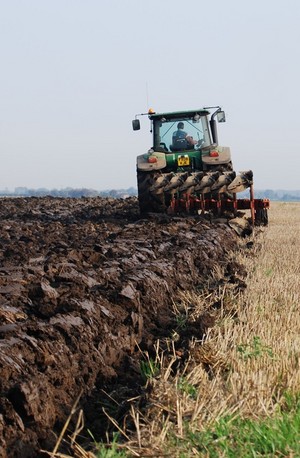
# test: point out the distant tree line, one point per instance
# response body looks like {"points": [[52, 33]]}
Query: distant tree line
{"points": [[67, 192], [276, 195]]}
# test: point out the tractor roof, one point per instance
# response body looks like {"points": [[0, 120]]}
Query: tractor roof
{"points": [[180, 114]]}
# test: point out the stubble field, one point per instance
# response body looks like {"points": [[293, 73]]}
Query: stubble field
{"points": [[238, 394]]}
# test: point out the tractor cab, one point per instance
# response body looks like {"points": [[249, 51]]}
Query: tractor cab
{"points": [[180, 133], [183, 131]]}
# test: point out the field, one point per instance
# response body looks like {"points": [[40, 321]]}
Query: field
{"points": [[172, 332], [238, 394]]}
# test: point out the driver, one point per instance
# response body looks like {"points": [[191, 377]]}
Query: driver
{"points": [[181, 140]]}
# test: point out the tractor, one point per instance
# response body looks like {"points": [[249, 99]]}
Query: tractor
{"points": [[187, 171]]}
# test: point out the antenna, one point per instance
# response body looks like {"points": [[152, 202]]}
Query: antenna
{"points": [[147, 96]]}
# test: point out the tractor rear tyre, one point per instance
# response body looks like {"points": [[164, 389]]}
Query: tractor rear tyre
{"points": [[149, 202]]}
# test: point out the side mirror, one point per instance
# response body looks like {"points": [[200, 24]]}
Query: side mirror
{"points": [[221, 116], [136, 124]]}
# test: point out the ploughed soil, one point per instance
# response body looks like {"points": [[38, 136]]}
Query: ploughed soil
{"points": [[84, 284]]}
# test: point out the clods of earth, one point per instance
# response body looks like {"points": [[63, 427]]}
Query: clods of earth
{"points": [[84, 285]]}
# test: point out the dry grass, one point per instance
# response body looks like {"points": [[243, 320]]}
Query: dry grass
{"points": [[250, 360]]}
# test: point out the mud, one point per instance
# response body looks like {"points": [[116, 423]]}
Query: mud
{"points": [[83, 283]]}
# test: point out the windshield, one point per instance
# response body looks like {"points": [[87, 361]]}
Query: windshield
{"points": [[181, 134]]}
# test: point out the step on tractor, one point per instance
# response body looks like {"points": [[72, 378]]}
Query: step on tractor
{"points": [[187, 171]]}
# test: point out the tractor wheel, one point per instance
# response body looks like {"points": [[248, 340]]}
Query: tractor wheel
{"points": [[227, 167], [261, 217], [149, 202], [219, 168]]}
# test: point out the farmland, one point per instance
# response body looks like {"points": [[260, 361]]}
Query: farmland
{"points": [[238, 393], [162, 328]]}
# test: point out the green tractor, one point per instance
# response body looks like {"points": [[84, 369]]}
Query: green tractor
{"points": [[186, 171]]}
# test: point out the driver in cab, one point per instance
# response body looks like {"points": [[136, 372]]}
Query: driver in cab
{"points": [[181, 140]]}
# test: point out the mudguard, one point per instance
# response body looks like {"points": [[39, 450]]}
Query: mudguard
{"points": [[143, 164], [223, 158]]}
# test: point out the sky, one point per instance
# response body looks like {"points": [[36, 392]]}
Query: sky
{"points": [[74, 73]]}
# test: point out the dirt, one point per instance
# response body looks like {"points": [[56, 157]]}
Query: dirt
{"points": [[83, 284]]}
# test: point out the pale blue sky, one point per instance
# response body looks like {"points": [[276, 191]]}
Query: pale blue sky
{"points": [[75, 72]]}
